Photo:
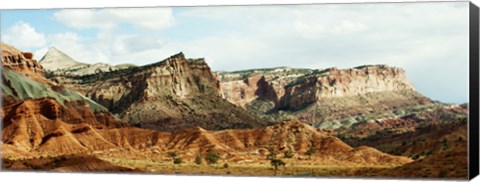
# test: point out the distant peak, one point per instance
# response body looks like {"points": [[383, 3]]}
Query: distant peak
{"points": [[55, 59], [372, 65], [179, 55]]}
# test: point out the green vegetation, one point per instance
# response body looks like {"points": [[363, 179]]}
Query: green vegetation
{"points": [[445, 144], [212, 158], [22, 87], [276, 163], [272, 153], [172, 155], [242, 74], [198, 160], [288, 154], [312, 150], [177, 160]]}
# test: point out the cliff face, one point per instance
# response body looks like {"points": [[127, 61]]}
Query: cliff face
{"points": [[19, 61], [177, 93], [25, 91], [169, 95], [333, 83], [243, 88], [327, 98], [175, 76]]}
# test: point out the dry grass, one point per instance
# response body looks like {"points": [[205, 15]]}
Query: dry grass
{"points": [[260, 168]]}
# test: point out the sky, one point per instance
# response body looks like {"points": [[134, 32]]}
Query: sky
{"points": [[428, 40]]}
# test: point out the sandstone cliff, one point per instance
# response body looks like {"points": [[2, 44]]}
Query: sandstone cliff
{"points": [[244, 87], [169, 95], [22, 62], [179, 92], [333, 82], [24, 85], [328, 98]]}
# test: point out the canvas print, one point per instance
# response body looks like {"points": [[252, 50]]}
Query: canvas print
{"points": [[318, 90]]}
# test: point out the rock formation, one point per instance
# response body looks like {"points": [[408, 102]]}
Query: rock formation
{"points": [[57, 62], [169, 95], [48, 125], [315, 96], [25, 91], [55, 59], [22, 62]]}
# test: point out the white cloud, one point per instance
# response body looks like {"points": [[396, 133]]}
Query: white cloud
{"points": [[348, 27], [74, 46], [24, 36], [149, 18], [426, 39], [39, 53]]}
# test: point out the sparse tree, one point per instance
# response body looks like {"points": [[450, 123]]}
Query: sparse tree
{"points": [[272, 153], [288, 154], [198, 160], [312, 150], [276, 163], [212, 158], [445, 143], [177, 160], [172, 155]]}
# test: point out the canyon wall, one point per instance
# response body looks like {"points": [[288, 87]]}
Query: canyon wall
{"points": [[168, 95]]}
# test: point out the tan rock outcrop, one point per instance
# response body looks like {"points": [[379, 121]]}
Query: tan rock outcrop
{"points": [[335, 82], [328, 98], [169, 95], [19, 61]]}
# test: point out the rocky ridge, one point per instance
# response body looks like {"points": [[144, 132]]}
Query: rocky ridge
{"points": [[22, 62], [169, 95], [24, 85], [46, 125], [324, 98], [55, 59], [57, 62], [328, 98]]}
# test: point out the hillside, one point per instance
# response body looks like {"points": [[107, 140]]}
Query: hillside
{"points": [[363, 121], [57, 62], [329, 98], [55, 59], [170, 95]]}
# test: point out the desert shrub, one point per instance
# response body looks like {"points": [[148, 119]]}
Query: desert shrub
{"points": [[198, 160], [225, 165], [288, 154], [348, 122], [212, 158], [178, 160], [399, 112], [172, 155], [312, 150], [276, 163], [428, 152], [272, 153], [445, 143]]}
